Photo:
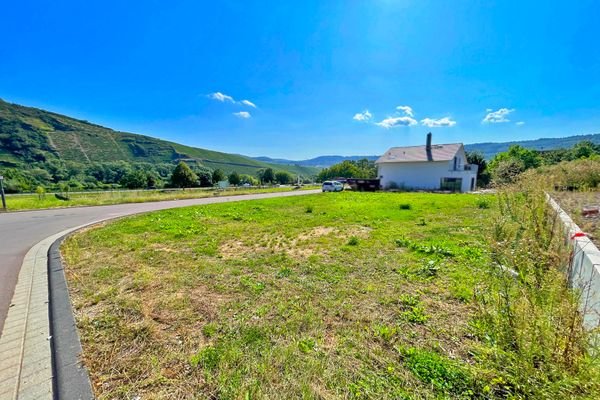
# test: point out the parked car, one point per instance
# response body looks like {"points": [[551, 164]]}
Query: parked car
{"points": [[332, 186]]}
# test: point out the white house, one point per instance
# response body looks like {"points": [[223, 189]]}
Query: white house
{"points": [[428, 167]]}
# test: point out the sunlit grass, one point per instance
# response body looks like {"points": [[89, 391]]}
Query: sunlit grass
{"points": [[33, 201], [306, 297]]}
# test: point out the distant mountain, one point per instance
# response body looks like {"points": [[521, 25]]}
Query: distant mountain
{"points": [[488, 149], [29, 134], [318, 162], [491, 149]]}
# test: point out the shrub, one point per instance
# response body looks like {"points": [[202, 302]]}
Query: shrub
{"points": [[41, 192]]}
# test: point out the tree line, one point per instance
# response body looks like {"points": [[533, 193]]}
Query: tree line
{"points": [[60, 175], [507, 166]]}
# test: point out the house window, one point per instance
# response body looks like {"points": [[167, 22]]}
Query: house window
{"points": [[452, 184], [456, 163]]}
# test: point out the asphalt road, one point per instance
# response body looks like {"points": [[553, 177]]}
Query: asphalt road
{"points": [[19, 231]]}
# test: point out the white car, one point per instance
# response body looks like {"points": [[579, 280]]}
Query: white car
{"points": [[332, 186]]}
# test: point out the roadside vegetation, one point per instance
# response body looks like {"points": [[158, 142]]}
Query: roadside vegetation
{"points": [[43, 200]]}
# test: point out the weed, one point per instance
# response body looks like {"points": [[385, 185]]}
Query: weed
{"points": [[353, 241], [429, 269], [210, 330], [405, 206], [306, 345], [442, 374], [482, 203], [284, 272], [308, 209], [208, 358], [425, 249], [385, 332], [412, 309]]}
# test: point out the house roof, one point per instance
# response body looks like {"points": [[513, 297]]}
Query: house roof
{"points": [[439, 152]]}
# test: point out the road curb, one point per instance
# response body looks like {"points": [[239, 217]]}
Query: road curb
{"points": [[71, 379], [39, 357]]}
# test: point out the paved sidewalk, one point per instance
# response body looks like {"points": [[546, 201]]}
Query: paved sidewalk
{"points": [[25, 342], [26, 364]]}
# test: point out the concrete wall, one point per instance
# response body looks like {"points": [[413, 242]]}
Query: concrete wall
{"points": [[584, 268], [423, 175]]}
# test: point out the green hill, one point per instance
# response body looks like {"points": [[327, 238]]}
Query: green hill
{"points": [[489, 150], [29, 135]]}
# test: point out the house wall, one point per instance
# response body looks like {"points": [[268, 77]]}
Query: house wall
{"points": [[423, 175]]}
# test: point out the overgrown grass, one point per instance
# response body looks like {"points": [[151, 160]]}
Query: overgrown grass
{"points": [[266, 300], [530, 324], [48, 200]]}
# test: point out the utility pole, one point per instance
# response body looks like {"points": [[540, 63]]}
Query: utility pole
{"points": [[2, 192]]}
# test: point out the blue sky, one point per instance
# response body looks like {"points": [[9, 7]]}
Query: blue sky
{"points": [[469, 71]]}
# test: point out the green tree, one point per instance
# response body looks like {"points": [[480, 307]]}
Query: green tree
{"points": [[135, 180], [218, 176], [234, 178], [249, 179], [183, 176], [349, 169], [505, 166], [152, 180], [283, 177], [477, 158], [266, 175], [507, 170], [584, 149], [529, 158]]}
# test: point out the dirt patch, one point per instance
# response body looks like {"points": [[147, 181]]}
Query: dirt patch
{"points": [[316, 232], [302, 246], [162, 247], [574, 204]]}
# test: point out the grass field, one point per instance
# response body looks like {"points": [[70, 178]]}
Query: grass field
{"points": [[34, 202], [342, 295]]}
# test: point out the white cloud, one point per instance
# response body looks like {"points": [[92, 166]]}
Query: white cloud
{"points": [[242, 114], [436, 123], [520, 123], [248, 103], [363, 116], [498, 116], [221, 97], [393, 122], [407, 110]]}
